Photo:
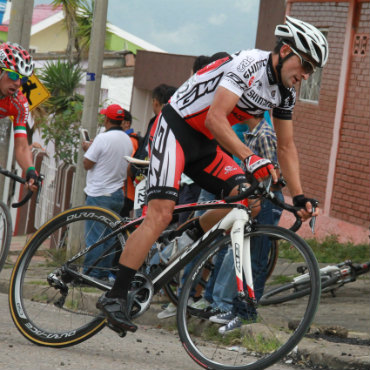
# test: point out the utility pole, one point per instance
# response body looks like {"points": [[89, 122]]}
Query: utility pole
{"points": [[21, 22], [92, 92]]}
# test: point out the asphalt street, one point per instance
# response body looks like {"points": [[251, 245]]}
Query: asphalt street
{"points": [[150, 348]]}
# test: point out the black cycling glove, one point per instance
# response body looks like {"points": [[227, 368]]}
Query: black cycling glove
{"points": [[300, 201], [32, 174]]}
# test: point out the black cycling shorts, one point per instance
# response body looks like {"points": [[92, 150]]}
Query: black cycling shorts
{"points": [[178, 148]]}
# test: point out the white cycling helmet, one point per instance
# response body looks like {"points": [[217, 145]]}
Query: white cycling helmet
{"points": [[305, 38], [16, 58]]}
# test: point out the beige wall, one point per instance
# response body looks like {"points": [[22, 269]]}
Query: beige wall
{"points": [[141, 109], [53, 38]]}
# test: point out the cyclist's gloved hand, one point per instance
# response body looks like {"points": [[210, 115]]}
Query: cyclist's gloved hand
{"points": [[300, 201], [257, 166], [32, 174]]}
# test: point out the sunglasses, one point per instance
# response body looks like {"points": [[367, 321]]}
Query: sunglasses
{"points": [[307, 66], [15, 76]]}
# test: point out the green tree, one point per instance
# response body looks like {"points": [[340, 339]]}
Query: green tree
{"points": [[70, 8], [61, 79], [62, 129], [84, 24], [63, 110]]}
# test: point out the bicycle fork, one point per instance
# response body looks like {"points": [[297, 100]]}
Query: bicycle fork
{"points": [[242, 255]]}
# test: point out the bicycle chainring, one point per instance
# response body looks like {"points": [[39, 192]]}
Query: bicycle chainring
{"points": [[140, 294]]}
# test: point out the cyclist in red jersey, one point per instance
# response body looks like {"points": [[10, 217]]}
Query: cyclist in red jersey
{"points": [[197, 121], [16, 66]]}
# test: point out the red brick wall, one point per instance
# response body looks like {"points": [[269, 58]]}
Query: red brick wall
{"points": [[352, 178], [313, 122]]}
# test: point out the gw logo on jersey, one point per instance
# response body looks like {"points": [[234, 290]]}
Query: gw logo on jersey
{"points": [[244, 64], [199, 90]]}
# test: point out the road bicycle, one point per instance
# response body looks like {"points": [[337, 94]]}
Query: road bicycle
{"points": [[6, 228], [173, 242], [332, 278], [52, 297]]}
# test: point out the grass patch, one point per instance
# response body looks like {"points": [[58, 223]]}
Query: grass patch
{"points": [[260, 344], [329, 251], [257, 343]]}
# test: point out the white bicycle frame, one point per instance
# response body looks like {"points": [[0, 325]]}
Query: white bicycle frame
{"points": [[235, 221]]}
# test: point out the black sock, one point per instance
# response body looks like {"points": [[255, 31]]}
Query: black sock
{"points": [[122, 283]]}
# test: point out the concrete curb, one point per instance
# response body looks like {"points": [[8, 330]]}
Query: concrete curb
{"points": [[319, 353]]}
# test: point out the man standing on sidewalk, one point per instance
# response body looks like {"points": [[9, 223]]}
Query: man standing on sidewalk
{"points": [[106, 172]]}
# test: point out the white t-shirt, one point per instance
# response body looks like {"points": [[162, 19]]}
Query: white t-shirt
{"points": [[110, 170]]}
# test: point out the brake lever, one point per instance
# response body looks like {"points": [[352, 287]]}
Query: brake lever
{"points": [[29, 194], [39, 186], [312, 222]]}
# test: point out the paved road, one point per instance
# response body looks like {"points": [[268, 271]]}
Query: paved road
{"points": [[149, 348]]}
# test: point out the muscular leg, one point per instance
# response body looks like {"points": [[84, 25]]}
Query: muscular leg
{"points": [[114, 303], [158, 217]]}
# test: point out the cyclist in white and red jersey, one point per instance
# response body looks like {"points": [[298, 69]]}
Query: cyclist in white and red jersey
{"points": [[192, 128], [16, 66]]}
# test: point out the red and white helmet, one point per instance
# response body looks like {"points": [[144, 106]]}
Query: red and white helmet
{"points": [[16, 58], [305, 38]]}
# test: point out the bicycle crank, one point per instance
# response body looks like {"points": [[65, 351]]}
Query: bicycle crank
{"points": [[140, 295]]}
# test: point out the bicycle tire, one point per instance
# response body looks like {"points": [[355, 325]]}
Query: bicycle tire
{"points": [[5, 233], [37, 308], [272, 258], [294, 291], [172, 288], [267, 338]]}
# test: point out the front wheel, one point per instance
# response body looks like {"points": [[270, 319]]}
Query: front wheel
{"points": [[5, 233], [266, 334], [49, 306]]}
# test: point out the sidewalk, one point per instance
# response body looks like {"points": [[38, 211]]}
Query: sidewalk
{"points": [[339, 337]]}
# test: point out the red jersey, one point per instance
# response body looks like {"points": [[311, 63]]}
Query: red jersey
{"points": [[16, 105]]}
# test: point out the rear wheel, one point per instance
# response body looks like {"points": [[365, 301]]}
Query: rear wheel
{"points": [[267, 334], [48, 305]]}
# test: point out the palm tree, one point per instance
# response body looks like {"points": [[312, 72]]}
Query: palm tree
{"points": [[84, 24], [61, 79], [70, 10], [63, 110]]}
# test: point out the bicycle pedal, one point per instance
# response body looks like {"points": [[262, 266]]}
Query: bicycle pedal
{"points": [[121, 333]]}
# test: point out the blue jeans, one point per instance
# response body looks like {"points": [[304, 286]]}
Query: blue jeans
{"points": [[95, 231], [225, 292], [204, 196]]}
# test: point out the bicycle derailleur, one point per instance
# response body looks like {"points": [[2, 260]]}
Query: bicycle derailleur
{"points": [[57, 280]]}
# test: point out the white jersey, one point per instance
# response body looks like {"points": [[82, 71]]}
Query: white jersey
{"points": [[250, 75], [110, 170]]}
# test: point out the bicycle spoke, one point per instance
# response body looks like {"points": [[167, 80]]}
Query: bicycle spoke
{"points": [[50, 305], [267, 333]]}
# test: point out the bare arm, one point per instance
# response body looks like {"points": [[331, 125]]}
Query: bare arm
{"points": [[217, 123], [23, 153], [88, 164], [288, 155], [23, 156], [289, 162]]}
